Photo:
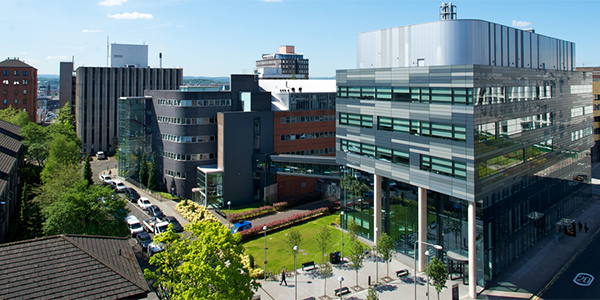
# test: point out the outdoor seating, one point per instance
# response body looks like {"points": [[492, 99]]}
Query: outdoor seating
{"points": [[402, 273], [342, 291], [308, 265]]}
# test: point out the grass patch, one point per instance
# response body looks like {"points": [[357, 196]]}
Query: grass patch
{"points": [[278, 256], [242, 208]]}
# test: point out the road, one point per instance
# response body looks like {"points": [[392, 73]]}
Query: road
{"points": [[584, 263]]}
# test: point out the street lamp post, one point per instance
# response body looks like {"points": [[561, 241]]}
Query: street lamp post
{"points": [[265, 229], [438, 247], [377, 258], [341, 224], [229, 213], [427, 254], [295, 272], [341, 279]]}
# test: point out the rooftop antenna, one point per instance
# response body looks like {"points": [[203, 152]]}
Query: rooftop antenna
{"points": [[107, 53], [160, 59], [447, 11]]}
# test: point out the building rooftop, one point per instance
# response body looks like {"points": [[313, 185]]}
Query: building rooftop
{"points": [[71, 267], [276, 86], [14, 62], [10, 129]]}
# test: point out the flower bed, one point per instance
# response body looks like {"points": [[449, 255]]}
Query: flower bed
{"points": [[194, 212], [279, 224], [253, 213]]}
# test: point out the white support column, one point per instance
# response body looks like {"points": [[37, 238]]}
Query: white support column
{"points": [[422, 221], [376, 207], [472, 249]]}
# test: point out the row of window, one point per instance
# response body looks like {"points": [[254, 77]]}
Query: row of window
{"points": [[581, 133], [186, 121], [386, 154], [16, 101], [444, 166], [311, 152], [505, 161], [188, 139], [15, 82], [16, 73], [493, 130], [495, 95], [189, 103], [303, 119], [307, 136], [414, 127], [188, 157], [16, 92], [171, 173], [462, 96]]}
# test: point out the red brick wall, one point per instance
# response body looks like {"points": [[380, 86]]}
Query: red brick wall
{"points": [[10, 90], [280, 129]]}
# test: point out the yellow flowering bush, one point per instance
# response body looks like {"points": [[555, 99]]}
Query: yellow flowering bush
{"points": [[194, 212]]}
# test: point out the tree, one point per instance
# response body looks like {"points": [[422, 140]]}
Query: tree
{"points": [[87, 170], [357, 249], [323, 238], [143, 169], [35, 140], [153, 174], [326, 271], [31, 219], [63, 153], [385, 247], [372, 295], [205, 265], [437, 274], [14, 116], [294, 238]]}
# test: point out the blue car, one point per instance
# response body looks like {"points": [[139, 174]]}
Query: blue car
{"points": [[240, 226]]}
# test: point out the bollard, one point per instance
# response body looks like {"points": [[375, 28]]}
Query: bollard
{"points": [[369, 280]]}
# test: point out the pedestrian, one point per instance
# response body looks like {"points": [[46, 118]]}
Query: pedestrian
{"points": [[108, 172], [283, 277], [586, 228], [580, 226]]}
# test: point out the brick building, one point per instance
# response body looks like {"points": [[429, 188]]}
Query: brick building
{"points": [[19, 86]]}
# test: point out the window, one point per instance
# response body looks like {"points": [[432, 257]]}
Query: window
{"points": [[16, 72], [16, 92], [25, 81], [5, 82], [25, 73], [16, 101], [5, 101], [24, 92], [24, 101], [5, 92], [16, 82]]}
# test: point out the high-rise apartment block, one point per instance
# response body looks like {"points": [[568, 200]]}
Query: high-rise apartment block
{"points": [[19, 86], [284, 64], [469, 135]]}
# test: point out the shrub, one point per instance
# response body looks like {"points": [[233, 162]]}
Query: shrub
{"points": [[194, 212], [255, 272], [279, 206], [282, 223], [253, 213]]}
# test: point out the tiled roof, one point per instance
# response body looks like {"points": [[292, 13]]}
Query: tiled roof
{"points": [[10, 128], [6, 163], [10, 63], [9, 143], [70, 267]]}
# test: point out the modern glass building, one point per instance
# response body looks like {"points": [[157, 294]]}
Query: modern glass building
{"points": [[478, 141]]}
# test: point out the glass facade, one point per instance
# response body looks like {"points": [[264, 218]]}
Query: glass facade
{"points": [[209, 191], [135, 135]]}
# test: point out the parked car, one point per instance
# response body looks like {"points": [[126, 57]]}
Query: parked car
{"points": [[135, 226], [144, 203], [119, 186], [176, 225], [143, 239], [105, 179], [154, 211], [132, 195], [100, 155], [240, 226], [154, 225], [154, 248]]}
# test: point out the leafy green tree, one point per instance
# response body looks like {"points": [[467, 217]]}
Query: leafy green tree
{"points": [[294, 238], [326, 271], [385, 247], [143, 169], [31, 219], [153, 174], [323, 238], [206, 265], [63, 153], [357, 249], [372, 294], [35, 140], [87, 170], [438, 273], [14, 116]]}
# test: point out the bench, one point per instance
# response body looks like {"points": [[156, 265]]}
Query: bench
{"points": [[402, 273], [342, 291], [309, 298], [308, 264]]}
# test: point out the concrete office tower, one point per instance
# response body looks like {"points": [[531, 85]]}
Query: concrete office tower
{"points": [[67, 84], [97, 92], [128, 56], [284, 64], [468, 134], [19, 86]]}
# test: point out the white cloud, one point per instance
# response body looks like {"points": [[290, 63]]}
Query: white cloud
{"points": [[61, 57], [112, 2], [131, 16], [516, 23], [92, 30]]}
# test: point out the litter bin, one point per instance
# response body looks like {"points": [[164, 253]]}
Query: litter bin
{"points": [[334, 257]]}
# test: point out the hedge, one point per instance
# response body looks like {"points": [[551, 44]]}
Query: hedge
{"points": [[283, 223]]}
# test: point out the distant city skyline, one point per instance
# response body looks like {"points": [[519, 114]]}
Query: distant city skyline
{"points": [[215, 38]]}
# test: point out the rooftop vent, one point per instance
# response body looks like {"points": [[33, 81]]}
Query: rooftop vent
{"points": [[447, 11]]}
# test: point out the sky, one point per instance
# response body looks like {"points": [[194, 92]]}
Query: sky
{"points": [[222, 37]]}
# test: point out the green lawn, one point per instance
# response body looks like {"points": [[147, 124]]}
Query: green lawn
{"points": [[242, 208], [278, 256]]}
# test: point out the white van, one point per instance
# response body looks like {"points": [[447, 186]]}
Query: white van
{"points": [[100, 155], [134, 225]]}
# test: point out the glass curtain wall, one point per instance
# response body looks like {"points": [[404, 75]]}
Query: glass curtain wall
{"points": [[134, 132]]}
